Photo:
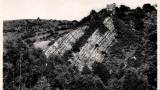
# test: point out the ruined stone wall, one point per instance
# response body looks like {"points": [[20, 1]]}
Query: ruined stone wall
{"points": [[111, 7]]}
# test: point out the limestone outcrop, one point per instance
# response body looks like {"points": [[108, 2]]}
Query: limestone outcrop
{"points": [[65, 43], [93, 50]]}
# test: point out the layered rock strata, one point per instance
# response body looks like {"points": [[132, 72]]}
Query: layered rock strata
{"points": [[93, 50]]}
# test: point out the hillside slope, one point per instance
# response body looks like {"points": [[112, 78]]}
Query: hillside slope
{"points": [[103, 51]]}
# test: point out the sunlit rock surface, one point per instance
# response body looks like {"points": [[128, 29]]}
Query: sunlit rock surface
{"points": [[65, 43], [93, 50], [96, 46]]}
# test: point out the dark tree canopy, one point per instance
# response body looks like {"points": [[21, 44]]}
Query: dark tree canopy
{"points": [[148, 8]]}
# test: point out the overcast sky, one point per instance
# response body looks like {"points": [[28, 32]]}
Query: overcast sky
{"points": [[59, 9]]}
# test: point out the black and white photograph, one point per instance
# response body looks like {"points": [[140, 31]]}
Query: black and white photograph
{"points": [[80, 45]]}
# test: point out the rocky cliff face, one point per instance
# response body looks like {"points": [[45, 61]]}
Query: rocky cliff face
{"points": [[97, 44], [65, 43], [96, 47], [91, 41]]}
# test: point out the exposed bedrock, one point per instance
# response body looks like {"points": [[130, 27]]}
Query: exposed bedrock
{"points": [[95, 46]]}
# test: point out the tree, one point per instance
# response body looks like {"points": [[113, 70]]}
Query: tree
{"points": [[124, 8], [133, 82], [148, 8], [101, 70], [138, 13], [86, 82]]}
